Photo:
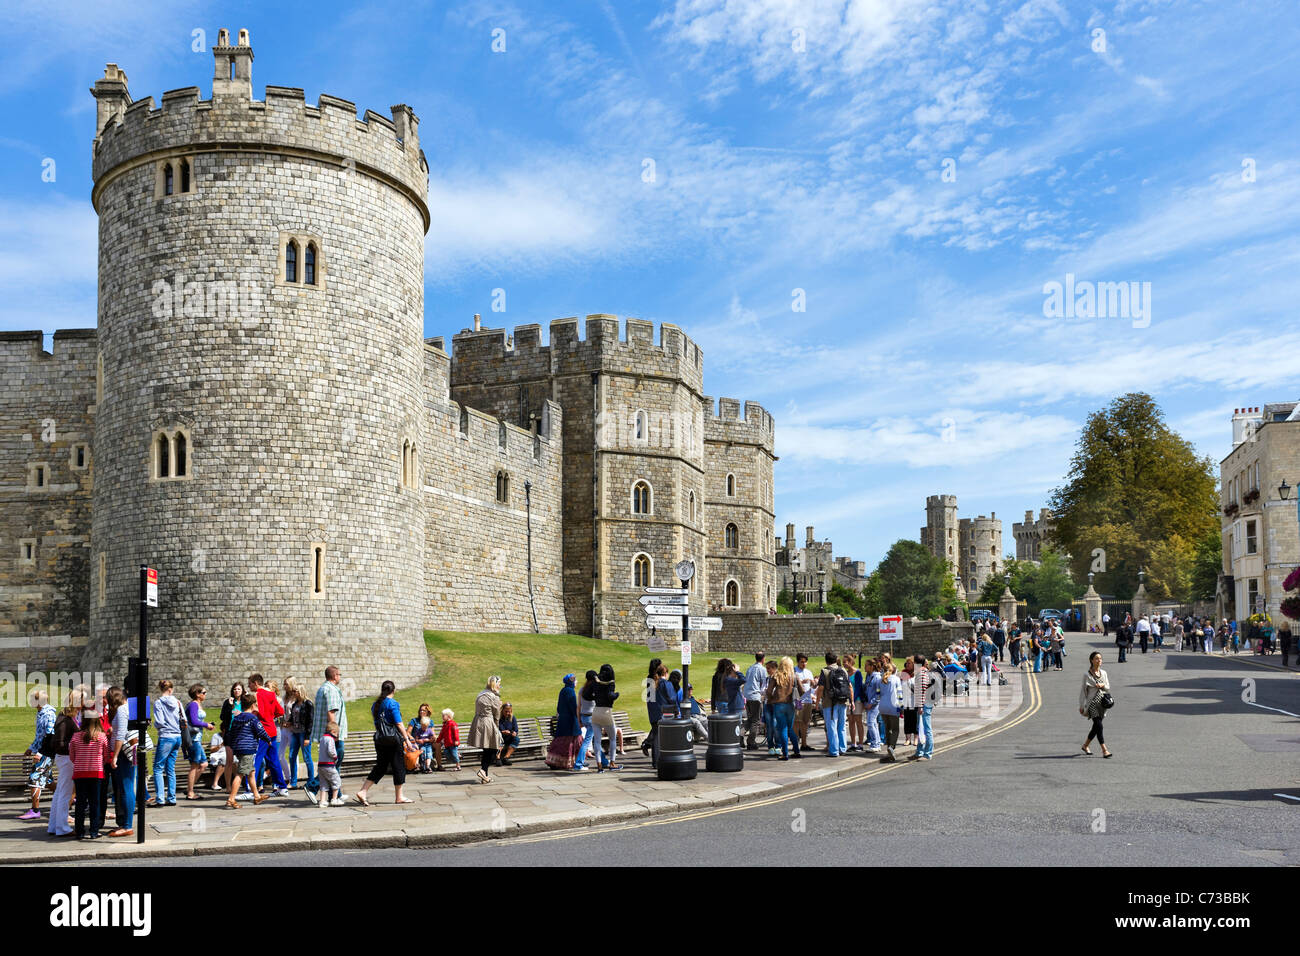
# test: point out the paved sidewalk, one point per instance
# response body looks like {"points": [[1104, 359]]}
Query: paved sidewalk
{"points": [[452, 808]]}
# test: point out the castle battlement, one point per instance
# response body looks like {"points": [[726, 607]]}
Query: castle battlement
{"points": [[131, 132], [600, 346], [479, 427], [70, 345], [723, 422]]}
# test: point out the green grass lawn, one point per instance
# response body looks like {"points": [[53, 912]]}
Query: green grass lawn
{"points": [[531, 667]]}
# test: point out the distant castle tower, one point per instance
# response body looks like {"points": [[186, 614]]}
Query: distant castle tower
{"points": [[979, 545], [261, 310], [1031, 536], [940, 532]]}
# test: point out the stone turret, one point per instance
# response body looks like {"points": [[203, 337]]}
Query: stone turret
{"points": [[261, 268]]}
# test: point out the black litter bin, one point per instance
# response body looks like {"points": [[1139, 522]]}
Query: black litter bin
{"points": [[677, 749], [726, 753]]}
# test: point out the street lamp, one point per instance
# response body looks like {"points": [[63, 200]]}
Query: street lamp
{"points": [[794, 591], [821, 590], [1284, 490]]}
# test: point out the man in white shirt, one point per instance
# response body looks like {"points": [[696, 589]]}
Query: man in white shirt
{"points": [[805, 682], [1144, 632], [1105, 624]]}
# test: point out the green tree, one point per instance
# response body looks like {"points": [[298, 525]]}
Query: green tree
{"points": [[1053, 585], [913, 582], [1133, 484], [1207, 567]]}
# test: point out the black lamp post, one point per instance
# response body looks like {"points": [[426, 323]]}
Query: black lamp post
{"points": [[1284, 490], [821, 590]]}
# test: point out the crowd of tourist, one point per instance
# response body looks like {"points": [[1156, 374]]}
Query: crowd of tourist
{"points": [[264, 731]]}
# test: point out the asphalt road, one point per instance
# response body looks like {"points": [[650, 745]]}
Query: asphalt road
{"points": [[1195, 781]]}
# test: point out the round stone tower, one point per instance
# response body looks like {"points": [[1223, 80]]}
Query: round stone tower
{"points": [[259, 431]]}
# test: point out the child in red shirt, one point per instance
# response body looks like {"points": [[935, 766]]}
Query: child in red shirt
{"points": [[449, 739], [88, 750]]}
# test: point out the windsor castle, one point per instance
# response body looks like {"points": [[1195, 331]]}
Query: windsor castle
{"points": [[258, 416]]}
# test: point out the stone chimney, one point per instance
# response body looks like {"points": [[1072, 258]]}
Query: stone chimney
{"points": [[232, 73], [810, 540]]}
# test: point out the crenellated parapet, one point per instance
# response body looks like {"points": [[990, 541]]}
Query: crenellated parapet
{"points": [[725, 423], [135, 132], [482, 355]]}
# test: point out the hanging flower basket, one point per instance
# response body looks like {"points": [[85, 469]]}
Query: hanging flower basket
{"points": [[1292, 581], [1291, 607]]}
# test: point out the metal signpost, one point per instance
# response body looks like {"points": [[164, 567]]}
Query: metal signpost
{"points": [[140, 675]]}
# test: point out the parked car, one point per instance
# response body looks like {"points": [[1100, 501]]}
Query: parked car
{"points": [[1050, 614], [982, 614]]}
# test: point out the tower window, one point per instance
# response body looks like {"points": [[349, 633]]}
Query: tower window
{"points": [[80, 456], [309, 264], [38, 477], [318, 569], [291, 262], [641, 498], [642, 571], [731, 486], [733, 594], [170, 454], [185, 175], [27, 552], [503, 487], [732, 536], [640, 427], [168, 180]]}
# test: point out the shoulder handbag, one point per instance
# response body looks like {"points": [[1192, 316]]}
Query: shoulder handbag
{"points": [[385, 729]]}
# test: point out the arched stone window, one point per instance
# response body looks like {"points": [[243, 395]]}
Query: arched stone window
{"points": [[309, 264], [642, 571], [169, 454], [163, 451], [731, 486], [733, 594], [185, 175], [690, 513], [317, 570], [168, 180], [641, 498], [640, 430], [732, 536], [291, 261], [503, 487]]}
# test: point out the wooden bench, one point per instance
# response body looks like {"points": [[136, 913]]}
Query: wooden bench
{"points": [[14, 769]]}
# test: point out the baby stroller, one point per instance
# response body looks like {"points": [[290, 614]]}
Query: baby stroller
{"points": [[960, 679]]}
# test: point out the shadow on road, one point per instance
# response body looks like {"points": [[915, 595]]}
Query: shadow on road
{"points": [[1217, 695], [1232, 796]]}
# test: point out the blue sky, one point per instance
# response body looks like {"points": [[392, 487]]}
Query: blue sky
{"points": [[796, 146]]}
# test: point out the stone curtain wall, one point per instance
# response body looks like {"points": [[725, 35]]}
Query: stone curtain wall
{"points": [[746, 632], [476, 548], [47, 408], [298, 399]]}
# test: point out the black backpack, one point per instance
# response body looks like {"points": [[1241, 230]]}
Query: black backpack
{"points": [[837, 684]]}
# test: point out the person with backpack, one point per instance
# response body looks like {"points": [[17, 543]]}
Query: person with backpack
{"points": [[834, 691], [247, 736], [65, 725]]}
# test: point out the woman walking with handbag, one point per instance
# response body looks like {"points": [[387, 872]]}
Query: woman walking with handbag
{"points": [[484, 732], [1094, 700], [391, 742]]}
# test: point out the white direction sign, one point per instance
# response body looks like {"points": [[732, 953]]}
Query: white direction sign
{"points": [[706, 624], [665, 599], [665, 609], [891, 627], [664, 622], [664, 590]]}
